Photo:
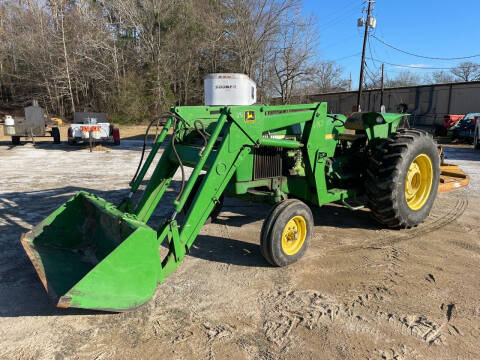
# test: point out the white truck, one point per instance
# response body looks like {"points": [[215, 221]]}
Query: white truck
{"points": [[92, 127]]}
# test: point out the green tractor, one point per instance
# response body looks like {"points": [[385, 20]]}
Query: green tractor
{"points": [[93, 254]]}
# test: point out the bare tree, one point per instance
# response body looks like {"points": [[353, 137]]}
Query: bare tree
{"points": [[404, 78], [293, 59], [466, 71], [372, 78], [132, 57], [441, 77], [329, 77], [251, 27]]}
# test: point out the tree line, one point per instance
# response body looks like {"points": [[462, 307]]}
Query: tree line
{"points": [[463, 72], [134, 58]]}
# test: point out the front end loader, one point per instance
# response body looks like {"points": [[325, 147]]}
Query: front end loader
{"points": [[93, 254]]}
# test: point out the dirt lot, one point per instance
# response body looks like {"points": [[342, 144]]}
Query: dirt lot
{"points": [[360, 292]]}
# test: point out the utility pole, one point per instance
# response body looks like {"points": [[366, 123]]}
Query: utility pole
{"points": [[382, 88], [365, 37]]}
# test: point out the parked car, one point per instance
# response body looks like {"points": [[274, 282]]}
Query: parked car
{"points": [[464, 130], [450, 120]]}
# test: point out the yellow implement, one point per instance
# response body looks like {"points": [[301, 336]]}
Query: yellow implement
{"points": [[57, 120], [451, 176]]}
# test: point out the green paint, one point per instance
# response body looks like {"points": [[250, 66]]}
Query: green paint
{"points": [[289, 144], [91, 254]]}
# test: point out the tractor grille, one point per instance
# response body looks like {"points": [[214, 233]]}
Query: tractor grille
{"points": [[268, 162]]}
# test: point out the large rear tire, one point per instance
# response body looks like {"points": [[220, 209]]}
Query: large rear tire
{"points": [[286, 232], [402, 179]]}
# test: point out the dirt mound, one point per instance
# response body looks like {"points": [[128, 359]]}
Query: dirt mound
{"points": [[97, 148]]}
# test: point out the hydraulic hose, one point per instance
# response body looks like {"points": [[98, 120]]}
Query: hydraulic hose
{"points": [[199, 127], [143, 152], [157, 118], [182, 169]]}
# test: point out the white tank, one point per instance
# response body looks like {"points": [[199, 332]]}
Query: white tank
{"points": [[9, 128], [9, 121], [229, 89]]}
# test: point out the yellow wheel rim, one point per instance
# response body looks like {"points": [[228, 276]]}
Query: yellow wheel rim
{"points": [[418, 182], [294, 235]]}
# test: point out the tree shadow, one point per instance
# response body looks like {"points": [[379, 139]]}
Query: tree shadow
{"points": [[131, 145], [227, 251], [238, 213], [339, 216], [21, 292], [460, 153]]}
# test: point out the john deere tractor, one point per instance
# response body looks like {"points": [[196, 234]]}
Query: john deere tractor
{"points": [[93, 254]]}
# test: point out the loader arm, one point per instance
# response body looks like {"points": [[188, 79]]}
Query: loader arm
{"points": [[222, 163], [92, 254], [221, 160]]}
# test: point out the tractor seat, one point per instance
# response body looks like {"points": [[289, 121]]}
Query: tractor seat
{"points": [[355, 122]]}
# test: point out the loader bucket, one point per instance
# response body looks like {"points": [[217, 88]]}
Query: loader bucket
{"points": [[88, 254]]}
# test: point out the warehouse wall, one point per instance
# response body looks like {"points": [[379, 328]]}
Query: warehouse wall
{"points": [[427, 103]]}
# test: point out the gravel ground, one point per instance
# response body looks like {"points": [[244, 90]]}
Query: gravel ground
{"points": [[360, 291]]}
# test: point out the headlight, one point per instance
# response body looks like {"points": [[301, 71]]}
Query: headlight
{"points": [[379, 120]]}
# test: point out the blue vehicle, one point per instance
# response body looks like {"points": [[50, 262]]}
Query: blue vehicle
{"points": [[465, 129]]}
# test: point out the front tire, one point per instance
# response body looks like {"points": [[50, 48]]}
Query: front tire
{"points": [[286, 232], [402, 179]]}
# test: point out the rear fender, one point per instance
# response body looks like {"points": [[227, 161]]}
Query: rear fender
{"points": [[376, 125]]}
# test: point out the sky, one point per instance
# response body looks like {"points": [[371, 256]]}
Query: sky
{"points": [[444, 28]]}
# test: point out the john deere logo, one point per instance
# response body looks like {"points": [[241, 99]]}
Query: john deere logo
{"points": [[249, 116]]}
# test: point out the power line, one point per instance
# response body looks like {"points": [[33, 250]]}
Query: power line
{"points": [[371, 75], [340, 42], [422, 56], [371, 55], [341, 11], [372, 78], [337, 20], [346, 57], [418, 67]]}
